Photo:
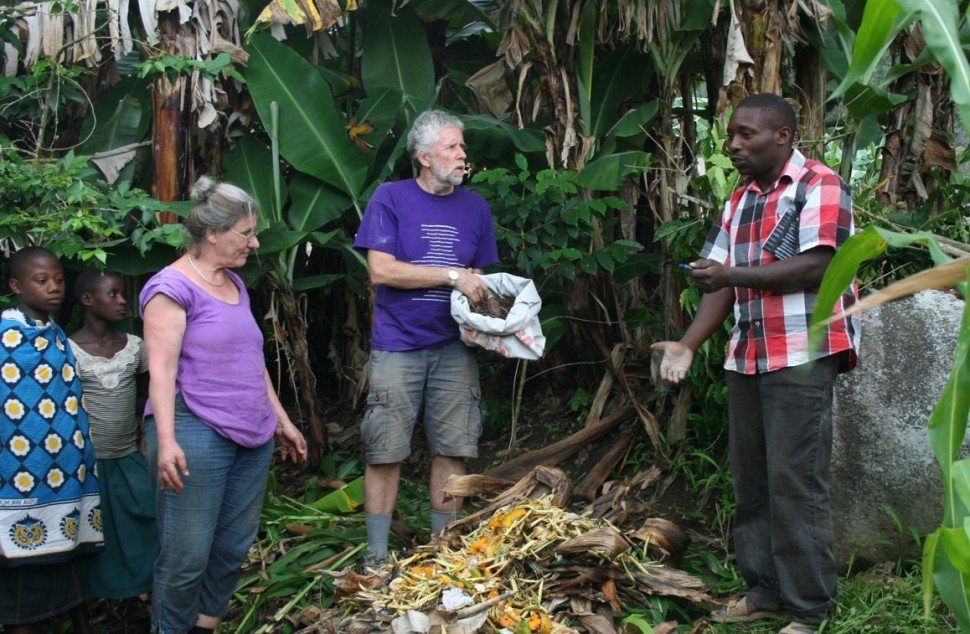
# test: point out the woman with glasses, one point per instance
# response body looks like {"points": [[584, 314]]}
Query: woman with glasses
{"points": [[212, 412]]}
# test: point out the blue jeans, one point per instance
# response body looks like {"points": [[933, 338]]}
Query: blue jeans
{"points": [[206, 530], [780, 446]]}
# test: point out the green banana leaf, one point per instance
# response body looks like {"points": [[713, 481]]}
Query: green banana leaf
{"points": [[344, 500], [607, 172], [620, 75], [250, 166], [456, 11], [278, 237], [940, 20], [396, 57], [314, 204], [120, 118], [585, 49], [633, 122], [317, 281], [312, 133], [381, 110], [491, 138]]}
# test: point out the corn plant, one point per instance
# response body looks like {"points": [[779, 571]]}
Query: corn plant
{"points": [[946, 551]]}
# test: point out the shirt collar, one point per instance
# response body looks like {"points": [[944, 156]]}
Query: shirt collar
{"points": [[792, 171]]}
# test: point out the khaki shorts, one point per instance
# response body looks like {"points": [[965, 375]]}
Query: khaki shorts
{"points": [[441, 381]]}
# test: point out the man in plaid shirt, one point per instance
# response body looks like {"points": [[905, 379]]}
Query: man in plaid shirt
{"points": [[764, 260]]}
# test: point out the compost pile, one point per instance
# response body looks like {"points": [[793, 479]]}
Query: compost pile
{"points": [[523, 563]]}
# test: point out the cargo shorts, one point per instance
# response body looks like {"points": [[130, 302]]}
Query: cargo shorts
{"points": [[441, 381]]}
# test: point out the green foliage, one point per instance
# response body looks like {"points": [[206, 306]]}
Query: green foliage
{"points": [[24, 99], [946, 552], [174, 65], [64, 205], [544, 226], [312, 135]]}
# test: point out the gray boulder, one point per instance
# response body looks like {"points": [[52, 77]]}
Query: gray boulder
{"points": [[885, 480]]}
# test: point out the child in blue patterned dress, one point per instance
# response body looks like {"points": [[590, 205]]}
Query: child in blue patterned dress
{"points": [[113, 370], [50, 515]]}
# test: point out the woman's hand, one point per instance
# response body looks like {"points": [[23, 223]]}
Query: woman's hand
{"points": [[171, 463], [292, 444]]}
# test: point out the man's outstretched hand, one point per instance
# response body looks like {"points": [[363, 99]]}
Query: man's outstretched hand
{"points": [[676, 360]]}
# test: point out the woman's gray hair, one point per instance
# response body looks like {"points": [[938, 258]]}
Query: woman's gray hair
{"points": [[219, 206], [425, 129]]}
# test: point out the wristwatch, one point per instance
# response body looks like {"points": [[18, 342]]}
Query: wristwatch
{"points": [[452, 277]]}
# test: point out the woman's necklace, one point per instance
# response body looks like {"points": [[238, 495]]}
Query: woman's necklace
{"points": [[201, 274]]}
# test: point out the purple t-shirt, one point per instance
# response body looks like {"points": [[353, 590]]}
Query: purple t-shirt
{"points": [[421, 228], [221, 364]]}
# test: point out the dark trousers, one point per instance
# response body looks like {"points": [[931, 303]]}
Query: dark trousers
{"points": [[780, 447]]}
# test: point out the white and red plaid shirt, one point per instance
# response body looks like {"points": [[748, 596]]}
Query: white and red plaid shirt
{"points": [[771, 328]]}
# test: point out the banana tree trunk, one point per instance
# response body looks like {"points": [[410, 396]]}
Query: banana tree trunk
{"points": [[172, 122], [810, 78]]}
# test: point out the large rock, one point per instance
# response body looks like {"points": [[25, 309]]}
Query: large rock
{"points": [[885, 480]]}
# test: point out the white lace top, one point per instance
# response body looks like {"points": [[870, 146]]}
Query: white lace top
{"points": [[110, 395]]}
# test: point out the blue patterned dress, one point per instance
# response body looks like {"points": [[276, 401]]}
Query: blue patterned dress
{"points": [[49, 501]]}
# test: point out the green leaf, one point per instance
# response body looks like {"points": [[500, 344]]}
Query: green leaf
{"points": [[314, 204], [317, 281], [948, 423], [859, 248], [930, 545], [278, 237], [634, 120], [120, 118], [941, 22], [488, 137], [249, 165], [881, 21], [953, 586], [960, 472], [637, 265], [396, 57], [607, 173], [456, 11], [957, 547], [585, 49], [380, 110], [343, 500], [312, 133], [863, 101], [620, 75]]}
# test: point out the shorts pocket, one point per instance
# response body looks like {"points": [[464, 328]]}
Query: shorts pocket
{"points": [[374, 428], [473, 428]]}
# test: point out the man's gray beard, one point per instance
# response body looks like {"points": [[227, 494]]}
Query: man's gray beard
{"points": [[447, 177]]}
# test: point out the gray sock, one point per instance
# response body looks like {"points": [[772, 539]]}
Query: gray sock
{"points": [[440, 518], [378, 529]]}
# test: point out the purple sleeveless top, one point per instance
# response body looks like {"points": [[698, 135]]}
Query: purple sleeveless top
{"points": [[221, 363]]}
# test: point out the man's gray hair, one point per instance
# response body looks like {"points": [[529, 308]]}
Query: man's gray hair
{"points": [[425, 129]]}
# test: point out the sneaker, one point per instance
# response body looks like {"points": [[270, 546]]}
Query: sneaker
{"points": [[740, 611], [373, 562], [797, 627]]}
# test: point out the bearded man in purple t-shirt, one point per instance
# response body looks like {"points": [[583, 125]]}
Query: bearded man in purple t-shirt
{"points": [[423, 237]]}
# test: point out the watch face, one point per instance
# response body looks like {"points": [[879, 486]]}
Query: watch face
{"points": [[453, 276]]}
